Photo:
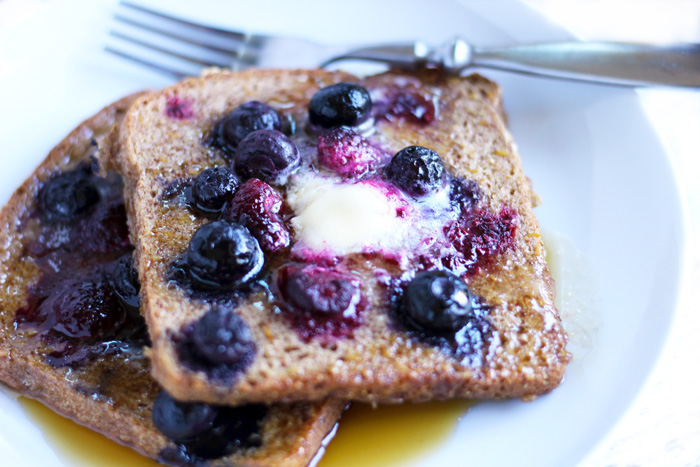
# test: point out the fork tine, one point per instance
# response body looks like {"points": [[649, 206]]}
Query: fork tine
{"points": [[229, 51], [182, 56], [177, 74], [238, 36]]}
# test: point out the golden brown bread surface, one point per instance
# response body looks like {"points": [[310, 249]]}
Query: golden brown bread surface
{"points": [[113, 394], [523, 353]]}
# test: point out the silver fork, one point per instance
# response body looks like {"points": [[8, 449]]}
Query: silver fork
{"points": [[181, 48]]}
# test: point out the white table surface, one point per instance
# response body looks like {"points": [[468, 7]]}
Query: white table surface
{"points": [[663, 426]]}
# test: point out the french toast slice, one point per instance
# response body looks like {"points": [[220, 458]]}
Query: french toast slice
{"points": [[71, 335], [366, 240]]}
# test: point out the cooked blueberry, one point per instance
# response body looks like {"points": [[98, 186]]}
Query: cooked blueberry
{"points": [[437, 301], [317, 290], [87, 309], [233, 429], [257, 206], [417, 170], [212, 188], [223, 255], [408, 104], [68, 195], [267, 155], [125, 283], [182, 421], [221, 337], [248, 118], [464, 194], [342, 104], [242, 424]]}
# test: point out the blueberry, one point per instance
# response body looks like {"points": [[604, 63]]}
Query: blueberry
{"points": [[223, 255], [417, 170], [233, 429], [212, 188], [464, 194], [182, 421], [317, 290], [66, 196], [248, 118], [342, 104], [221, 337], [125, 283], [437, 301], [266, 154]]}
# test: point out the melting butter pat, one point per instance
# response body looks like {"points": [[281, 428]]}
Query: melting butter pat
{"points": [[345, 217]]}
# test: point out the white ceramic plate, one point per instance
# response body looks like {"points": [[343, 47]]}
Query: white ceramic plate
{"points": [[604, 178]]}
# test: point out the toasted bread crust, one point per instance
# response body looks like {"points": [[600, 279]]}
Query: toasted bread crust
{"points": [[291, 434], [526, 356]]}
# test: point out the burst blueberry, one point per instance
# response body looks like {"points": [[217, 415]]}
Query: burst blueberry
{"points": [[125, 283], [437, 302], [341, 104], [221, 337], [317, 290], [182, 421], [67, 196], [223, 255], [247, 118], [266, 154], [212, 188], [417, 170]]}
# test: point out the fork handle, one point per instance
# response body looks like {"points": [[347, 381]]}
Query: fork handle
{"points": [[603, 62]]}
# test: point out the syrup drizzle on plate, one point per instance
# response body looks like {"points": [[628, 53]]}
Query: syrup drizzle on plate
{"points": [[392, 435], [389, 435], [80, 446]]}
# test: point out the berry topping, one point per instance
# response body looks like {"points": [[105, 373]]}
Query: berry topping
{"points": [[212, 188], [347, 153], [464, 194], [125, 283], [182, 421], [481, 234], [248, 118], [437, 301], [320, 302], [179, 108], [87, 309], [417, 170], [257, 206], [407, 104], [221, 337], [318, 290], [67, 196], [266, 154], [223, 255], [232, 428], [342, 104]]}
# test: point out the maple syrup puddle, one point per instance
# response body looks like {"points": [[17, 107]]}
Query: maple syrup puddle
{"points": [[387, 436], [392, 435], [79, 445]]}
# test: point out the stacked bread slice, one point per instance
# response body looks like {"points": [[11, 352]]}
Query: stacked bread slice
{"points": [[70, 338]]}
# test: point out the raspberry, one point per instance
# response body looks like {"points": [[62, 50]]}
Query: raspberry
{"points": [[347, 153], [257, 206]]}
